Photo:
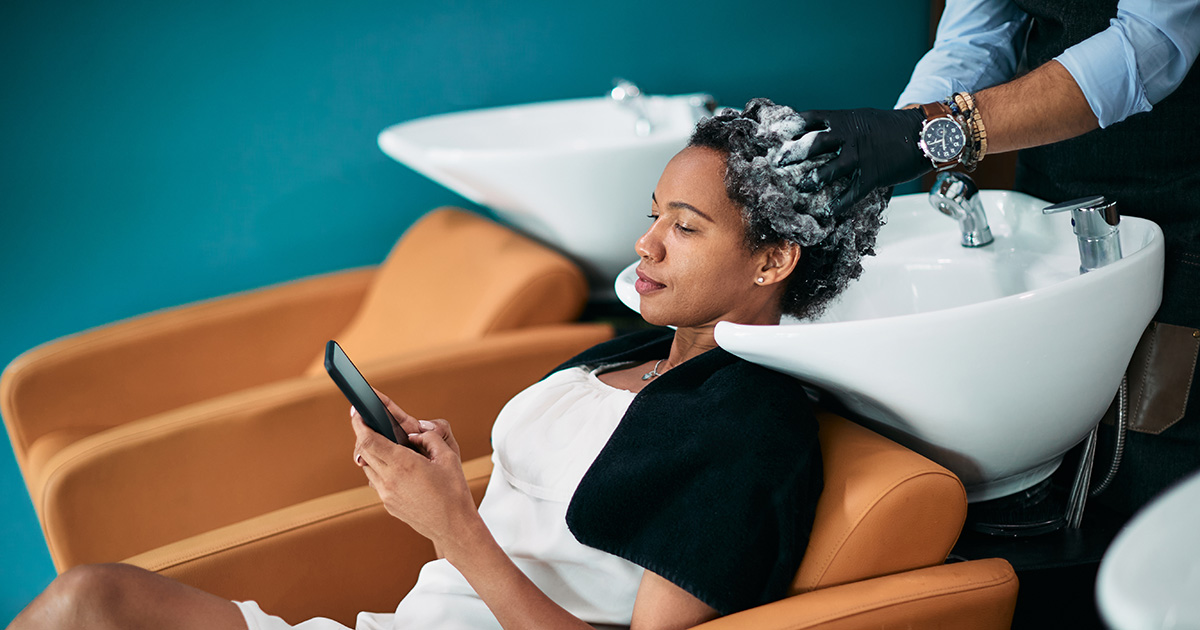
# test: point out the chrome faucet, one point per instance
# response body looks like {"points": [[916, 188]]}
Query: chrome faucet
{"points": [[629, 95], [1096, 222], [956, 196], [703, 105]]}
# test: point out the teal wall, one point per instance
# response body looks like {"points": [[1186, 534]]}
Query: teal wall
{"points": [[156, 153]]}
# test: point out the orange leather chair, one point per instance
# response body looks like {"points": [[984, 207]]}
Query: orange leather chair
{"points": [[885, 523], [150, 430]]}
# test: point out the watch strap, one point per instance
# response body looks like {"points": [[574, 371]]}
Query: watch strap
{"points": [[936, 110]]}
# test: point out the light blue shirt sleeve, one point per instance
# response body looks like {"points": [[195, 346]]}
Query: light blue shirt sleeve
{"points": [[975, 47], [1142, 56]]}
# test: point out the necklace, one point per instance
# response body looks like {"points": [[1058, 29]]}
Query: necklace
{"points": [[653, 371]]}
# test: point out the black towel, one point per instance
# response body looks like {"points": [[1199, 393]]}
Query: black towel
{"points": [[711, 479]]}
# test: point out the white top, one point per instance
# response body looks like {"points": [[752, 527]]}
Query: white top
{"points": [[544, 440]]}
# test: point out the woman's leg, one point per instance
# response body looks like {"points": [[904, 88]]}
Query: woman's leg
{"points": [[103, 596]]}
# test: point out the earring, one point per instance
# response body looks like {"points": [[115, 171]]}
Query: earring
{"points": [[760, 280]]}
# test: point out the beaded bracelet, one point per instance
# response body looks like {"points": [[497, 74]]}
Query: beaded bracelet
{"points": [[963, 105]]}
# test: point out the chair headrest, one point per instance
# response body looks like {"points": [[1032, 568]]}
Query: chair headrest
{"points": [[884, 509], [456, 276]]}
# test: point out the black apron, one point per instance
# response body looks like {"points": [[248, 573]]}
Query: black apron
{"points": [[1150, 164]]}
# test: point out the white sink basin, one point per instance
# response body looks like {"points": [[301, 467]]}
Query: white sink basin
{"points": [[992, 361], [1150, 573], [574, 174]]}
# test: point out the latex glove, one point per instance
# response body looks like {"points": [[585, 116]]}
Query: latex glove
{"points": [[873, 148]]}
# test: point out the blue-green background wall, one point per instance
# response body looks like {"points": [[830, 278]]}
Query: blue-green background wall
{"points": [[155, 153]]}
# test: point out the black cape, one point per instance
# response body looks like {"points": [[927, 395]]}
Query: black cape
{"points": [[710, 480]]}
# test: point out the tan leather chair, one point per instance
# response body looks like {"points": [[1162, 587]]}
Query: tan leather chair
{"points": [[884, 526], [77, 408]]}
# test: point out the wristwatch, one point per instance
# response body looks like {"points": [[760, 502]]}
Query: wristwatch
{"points": [[942, 138]]}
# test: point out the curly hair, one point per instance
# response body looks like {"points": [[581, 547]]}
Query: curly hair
{"points": [[769, 175]]}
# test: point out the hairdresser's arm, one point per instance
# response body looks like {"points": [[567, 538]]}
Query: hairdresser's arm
{"points": [[1140, 59], [1042, 107], [873, 148], [431, 495], [1143, 55], [975, 48]]}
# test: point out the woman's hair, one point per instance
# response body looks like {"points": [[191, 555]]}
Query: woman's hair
{"points": [[768, 174]]}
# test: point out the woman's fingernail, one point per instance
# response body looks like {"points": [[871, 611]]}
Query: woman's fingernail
{"points": [[427, 425], [359, 460], [413, 435]]}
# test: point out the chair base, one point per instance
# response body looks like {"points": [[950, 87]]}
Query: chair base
{"points": [[1038, 510]]}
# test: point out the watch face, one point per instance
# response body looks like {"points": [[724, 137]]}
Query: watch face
{"points": [[944, 139]]}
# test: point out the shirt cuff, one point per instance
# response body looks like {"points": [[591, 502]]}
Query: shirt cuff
{"points": [[1105, 67], [929, 90]]}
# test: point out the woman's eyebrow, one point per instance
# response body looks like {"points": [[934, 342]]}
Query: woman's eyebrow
{"points": [[682, 204], [688, 206]]}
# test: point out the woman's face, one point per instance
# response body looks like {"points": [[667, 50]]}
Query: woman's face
{"points": [[696, 269]]}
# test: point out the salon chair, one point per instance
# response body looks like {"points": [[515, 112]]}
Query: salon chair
{"points": [[885, 523], [117, 430]]}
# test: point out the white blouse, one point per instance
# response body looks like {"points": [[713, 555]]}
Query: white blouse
{"points": [[544, 440]]}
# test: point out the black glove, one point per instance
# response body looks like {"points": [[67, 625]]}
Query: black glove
{"points": [[878, 148]]}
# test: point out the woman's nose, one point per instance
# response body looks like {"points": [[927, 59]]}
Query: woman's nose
{"points": [[649, 246]]}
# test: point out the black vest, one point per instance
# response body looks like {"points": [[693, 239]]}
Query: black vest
{"points": [[1149, 163]]}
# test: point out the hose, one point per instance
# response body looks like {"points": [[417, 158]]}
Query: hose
{"points": [[1119, 445]]}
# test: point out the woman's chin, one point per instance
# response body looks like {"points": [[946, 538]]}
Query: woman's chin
{"points": [[655, 317], [654, 321]]}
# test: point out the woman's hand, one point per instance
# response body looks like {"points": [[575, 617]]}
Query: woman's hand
{"points": [[402, 421], [428, 492]]}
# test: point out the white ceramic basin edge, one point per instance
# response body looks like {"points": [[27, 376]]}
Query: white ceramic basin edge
{"points": [[998, 389]]}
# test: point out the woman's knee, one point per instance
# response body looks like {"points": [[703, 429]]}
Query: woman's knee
{"points": [[96, 595]]}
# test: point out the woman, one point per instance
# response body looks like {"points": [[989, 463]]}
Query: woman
{"points": [[654, 480]]}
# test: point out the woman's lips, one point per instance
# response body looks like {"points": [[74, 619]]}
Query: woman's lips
{"points": [[645, 284]]}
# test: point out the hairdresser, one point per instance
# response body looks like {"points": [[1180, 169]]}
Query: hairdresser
{"points": [[1099, 97]]}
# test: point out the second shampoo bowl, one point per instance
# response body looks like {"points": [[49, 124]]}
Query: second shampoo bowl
{"points": [[574, 173], [991, 361]]}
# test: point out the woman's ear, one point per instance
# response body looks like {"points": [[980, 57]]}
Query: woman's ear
{"points": [[778, 263]]}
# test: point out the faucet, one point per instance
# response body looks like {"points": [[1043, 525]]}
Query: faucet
{"points": [[956, 196], [627, 94], [1096, 222], [703, 105]]}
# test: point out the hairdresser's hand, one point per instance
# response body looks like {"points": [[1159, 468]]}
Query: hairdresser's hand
{"points": [[874, 148], [429, 493]]}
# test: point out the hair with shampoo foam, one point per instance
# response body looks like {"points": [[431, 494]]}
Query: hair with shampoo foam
{"points": [[769, 175]]}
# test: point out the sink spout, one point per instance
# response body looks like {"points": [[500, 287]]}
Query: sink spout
{"points": [[956, 196], [629, 95]]}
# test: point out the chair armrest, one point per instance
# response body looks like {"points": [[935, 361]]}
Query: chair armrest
{"points": [[333, 556], [161, 479], [167, 359], [975, 595]]}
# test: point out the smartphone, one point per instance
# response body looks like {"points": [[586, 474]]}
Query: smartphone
{"points": [[360, 394]]}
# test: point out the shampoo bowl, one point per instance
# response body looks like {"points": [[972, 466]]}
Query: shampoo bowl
{"points": [[992, 361], [574, 174]]}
